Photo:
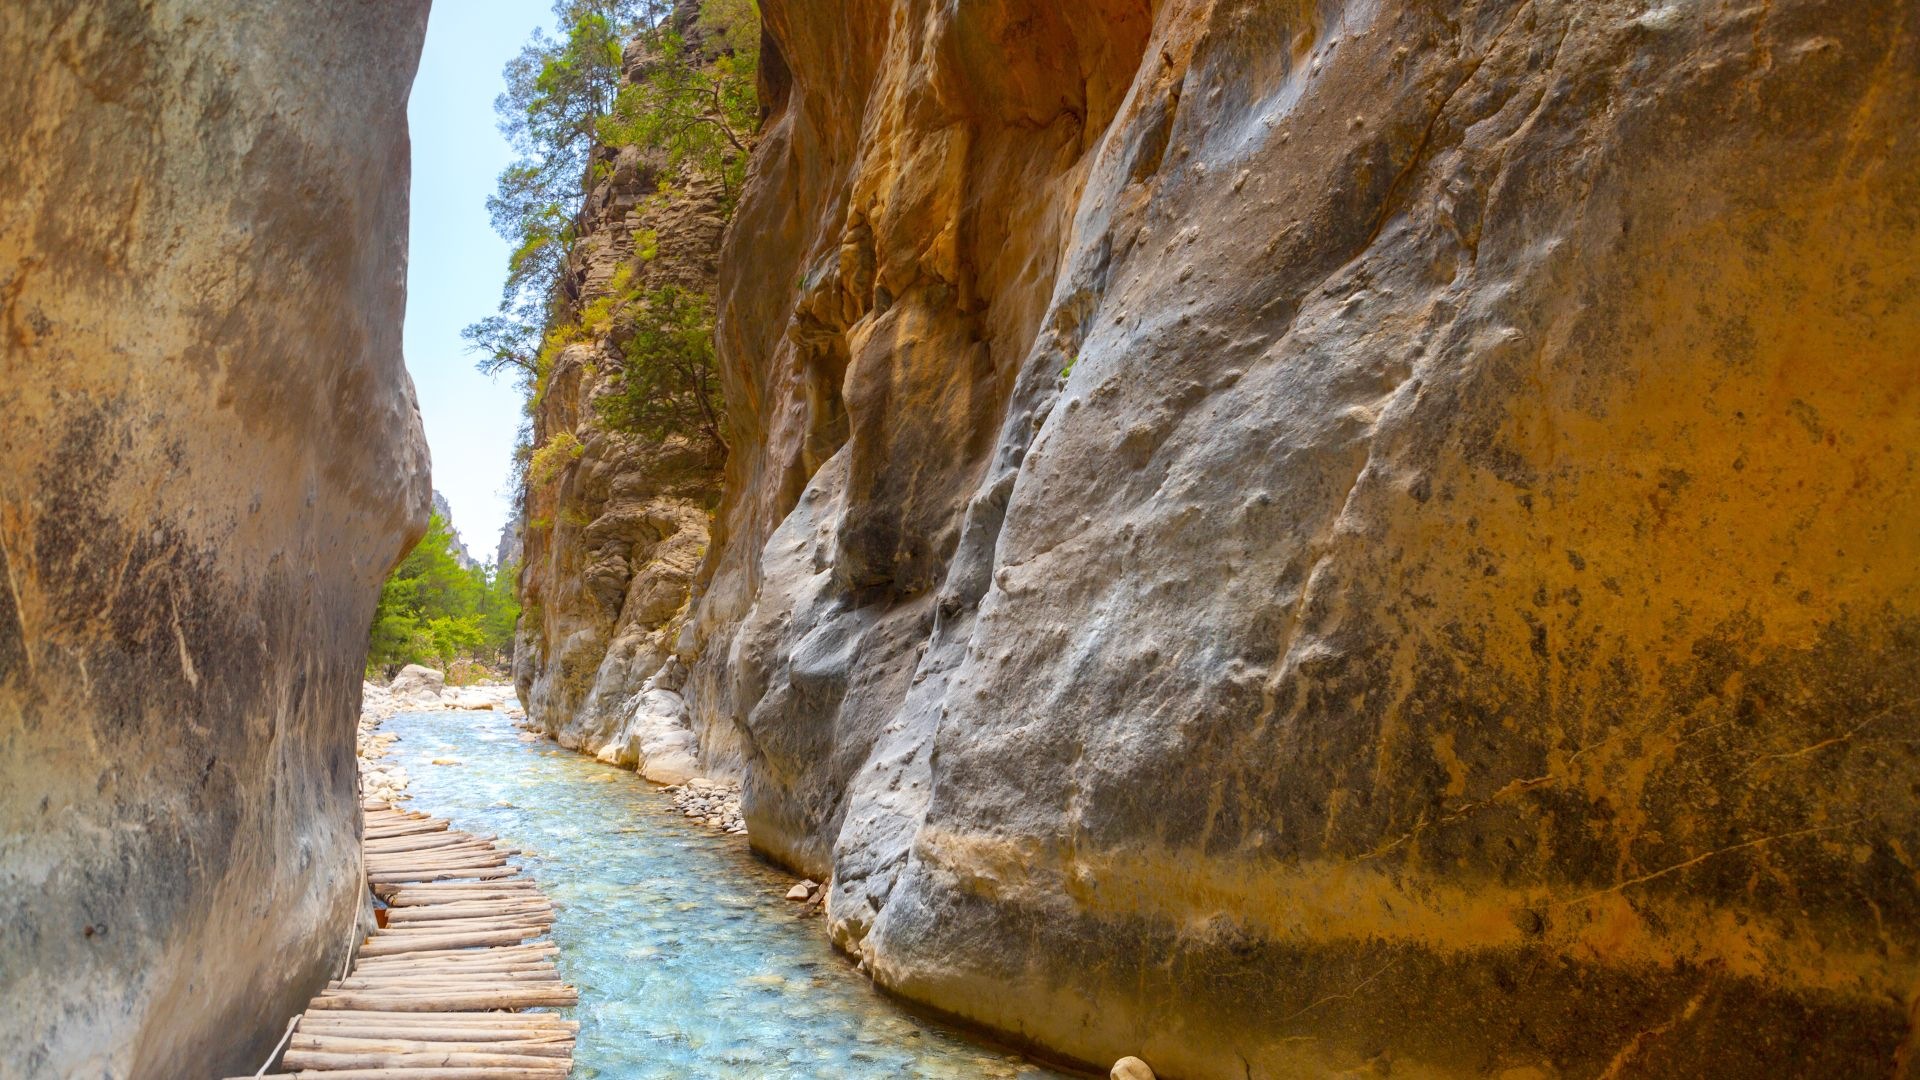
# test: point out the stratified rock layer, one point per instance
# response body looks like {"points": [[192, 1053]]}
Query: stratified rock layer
{"points": [[210, 456], [1288, 537]]}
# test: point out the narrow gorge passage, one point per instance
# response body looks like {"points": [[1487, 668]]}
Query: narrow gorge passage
{"points": [[1217, 539], [687, 959]]}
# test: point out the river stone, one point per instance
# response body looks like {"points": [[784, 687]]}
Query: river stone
{"points": [[417, 681], [1294, 538], [210, 457]]}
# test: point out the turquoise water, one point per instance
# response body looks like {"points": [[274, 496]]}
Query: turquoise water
{"points": [[689, 961]]}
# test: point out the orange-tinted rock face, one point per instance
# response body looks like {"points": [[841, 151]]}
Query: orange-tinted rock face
{"points": [[210, 457], [1280, 536]]}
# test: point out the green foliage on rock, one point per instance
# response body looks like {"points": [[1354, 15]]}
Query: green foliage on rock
{"points": [[696, 96], [434, 611], [668, 383], [553, 457], [689, 103], [557, 91]]}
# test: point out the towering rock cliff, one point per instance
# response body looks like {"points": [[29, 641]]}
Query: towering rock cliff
{"points": [[1295, 537], [210, 456], [615, 521]]}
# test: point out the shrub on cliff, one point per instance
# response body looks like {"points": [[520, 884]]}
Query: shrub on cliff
{"points": [[668, 383], [692, 99]]}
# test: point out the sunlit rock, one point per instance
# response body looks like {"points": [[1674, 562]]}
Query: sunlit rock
{"points": [[1291, 539]]}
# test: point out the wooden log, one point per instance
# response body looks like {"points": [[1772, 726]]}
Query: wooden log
{"points": [[479, 898], [510, 968], [418, 917], [456, 983], [439, 1059], [536, 918], [425, 915], [419, 932], [529, 1020], [554, 1047], [454, 858], [397, 877], [409, 860], [415, 934], [448, 926], [404, 828], [545, 948], [460, 910], [485, 999], [422, 842], [417, 895], [477, 980], [429, 913], [441, 927], [417, 1075], [520, 974], [433, 1034], [529, 951], [455, 987], [440, 892], [467, 1028], [451, 888], [465, 958], [448, 975], [425, 842], [389, 944]]}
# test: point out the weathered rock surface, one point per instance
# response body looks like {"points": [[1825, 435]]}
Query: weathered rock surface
{"points": [[209, 458], [1287, 538]]}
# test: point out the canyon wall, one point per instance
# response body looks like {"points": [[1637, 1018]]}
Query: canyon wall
{"points": [[1289, 537], [614, 522], [210, 457]]}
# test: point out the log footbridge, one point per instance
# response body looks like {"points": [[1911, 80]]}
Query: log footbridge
{"points": [[438, 991]]}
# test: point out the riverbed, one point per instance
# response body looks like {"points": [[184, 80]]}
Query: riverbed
{"points": [[689, 961]]}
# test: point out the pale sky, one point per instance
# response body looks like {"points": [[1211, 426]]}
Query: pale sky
{"points": [[456, 263]]}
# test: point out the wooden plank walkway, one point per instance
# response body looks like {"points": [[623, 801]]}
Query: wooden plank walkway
{"points": [[459, 943]]}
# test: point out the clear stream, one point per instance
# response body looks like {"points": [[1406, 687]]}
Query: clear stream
{"points": [[689, 960]]}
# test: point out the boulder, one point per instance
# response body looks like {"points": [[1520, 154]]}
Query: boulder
{"points": [[417, 681]]}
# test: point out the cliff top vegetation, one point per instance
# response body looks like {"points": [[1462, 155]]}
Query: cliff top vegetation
{"points": [[675, 81]]}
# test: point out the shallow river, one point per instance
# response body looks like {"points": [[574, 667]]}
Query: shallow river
{"points": [[689, 961]]}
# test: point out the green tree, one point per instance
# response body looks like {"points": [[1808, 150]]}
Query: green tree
{"points": [[500, 608], [557, 90], [434, 610]]}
